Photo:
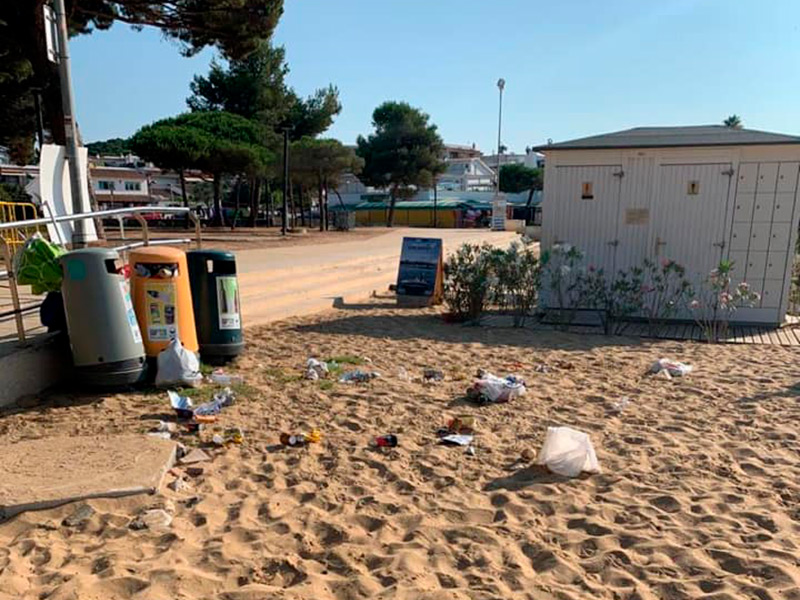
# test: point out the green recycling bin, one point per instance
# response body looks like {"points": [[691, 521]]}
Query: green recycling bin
{"points": [[103, 331], [215, 298]]}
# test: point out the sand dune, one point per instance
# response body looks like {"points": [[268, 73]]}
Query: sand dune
{"points": [[699, 495]]}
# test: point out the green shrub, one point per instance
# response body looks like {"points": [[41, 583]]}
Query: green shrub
{"points": [[467, 281]]}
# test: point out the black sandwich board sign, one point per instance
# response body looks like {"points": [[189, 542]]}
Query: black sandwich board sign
{"points": [[420, 279]]}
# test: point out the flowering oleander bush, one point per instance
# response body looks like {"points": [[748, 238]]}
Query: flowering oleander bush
{"points": [[664, 290], [561, 274], [613, 298], [715, 301], [517, 278], [468, 281]]}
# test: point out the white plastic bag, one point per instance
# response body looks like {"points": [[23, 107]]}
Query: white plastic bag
{"points": [[490, 388], [673, 367], [177, 366], [316, 369], [568, 452]]}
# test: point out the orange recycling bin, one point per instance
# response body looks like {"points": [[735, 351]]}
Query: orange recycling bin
{"points": [[162, 298]]}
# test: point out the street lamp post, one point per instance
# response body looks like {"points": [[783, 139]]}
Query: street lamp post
{"points": [[501, 84]]}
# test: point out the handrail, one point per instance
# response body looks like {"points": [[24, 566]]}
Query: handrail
{"points": [[100, 213], [136, 212]]}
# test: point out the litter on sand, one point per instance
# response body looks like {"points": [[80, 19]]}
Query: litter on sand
{"points": [[432, 375], [458, 439], [672, 367], [620, 405], [221, 399], [568, 452], [220, 377], [489, 389], [316, 369], [177, 366], [181, 405], [358, 376]]}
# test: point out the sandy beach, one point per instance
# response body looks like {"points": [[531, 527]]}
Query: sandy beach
{"points": [[699, 495]]}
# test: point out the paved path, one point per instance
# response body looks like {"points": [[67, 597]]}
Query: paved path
{"points": [[281, 282], [298, 279]]}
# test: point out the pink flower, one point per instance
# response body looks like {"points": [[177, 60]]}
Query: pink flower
{"points": [[591, 268], [744, 286], [694, 304], [665, 262]]}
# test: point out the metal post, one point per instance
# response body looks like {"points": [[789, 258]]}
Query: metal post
{"points": [[284, 208], [435, 198], [12, 286], [68, 105], [501, 83]]}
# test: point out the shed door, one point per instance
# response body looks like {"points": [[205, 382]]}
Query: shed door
{"points": [[584, 213], [690, 215]]}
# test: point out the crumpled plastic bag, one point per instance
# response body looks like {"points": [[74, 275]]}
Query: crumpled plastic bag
{"points": [[177, 366], [36, 264], [221, 400], [316, 369], [358, 376], [489, 388], [673, 367], [568, 452]]}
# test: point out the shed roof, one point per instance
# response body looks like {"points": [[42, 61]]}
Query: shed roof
{"points": [[665, 137]]}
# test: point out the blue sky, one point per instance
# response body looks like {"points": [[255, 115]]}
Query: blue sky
{"points": [[572, 68]]}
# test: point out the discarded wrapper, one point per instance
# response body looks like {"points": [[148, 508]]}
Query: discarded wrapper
{"points": [[673, 367], [358, 376], [458, 439], [181, 404]]}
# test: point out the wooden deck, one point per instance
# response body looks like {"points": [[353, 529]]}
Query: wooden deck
{"points": [[788, 335]]}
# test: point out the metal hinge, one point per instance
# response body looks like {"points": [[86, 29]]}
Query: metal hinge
{"points": [[619, 174], [614, 243], [729, 172], [719, 244]]}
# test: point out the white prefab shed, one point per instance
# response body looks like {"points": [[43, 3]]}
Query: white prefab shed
{"points": [[695, 195]]}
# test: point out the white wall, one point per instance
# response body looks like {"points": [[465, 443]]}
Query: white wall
{"points": [[744, 209]]}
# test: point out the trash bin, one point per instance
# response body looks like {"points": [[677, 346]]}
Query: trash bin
{"points": [[104, 334], [217, 310], [162, 297]]}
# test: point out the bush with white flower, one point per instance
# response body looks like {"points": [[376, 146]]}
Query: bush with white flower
{"points": [[562, 273], [664, 290], [716, 300], [468, 280], [517, 278]]}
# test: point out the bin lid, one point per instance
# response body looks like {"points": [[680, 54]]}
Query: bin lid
{"points": [[221, 255], [91, 254], [156, 254]]}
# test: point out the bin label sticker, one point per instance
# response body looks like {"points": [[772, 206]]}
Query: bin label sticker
{"points": [[228, 302], [129, 312], [161, 319]]}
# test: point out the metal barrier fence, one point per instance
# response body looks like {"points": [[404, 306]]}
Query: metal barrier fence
{"points": [[16, 212], [8, 249]]}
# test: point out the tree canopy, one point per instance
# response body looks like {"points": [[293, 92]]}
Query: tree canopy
{"points": [[515, 178], [254, 87], [217, 142], [403, 154], [733, 121], [111, 146], [236, 27]]}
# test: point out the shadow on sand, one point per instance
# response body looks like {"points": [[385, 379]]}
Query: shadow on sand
{"points": [[410, 325], [524, 477]]}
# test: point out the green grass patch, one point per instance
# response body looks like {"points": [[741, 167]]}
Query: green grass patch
{"points": [[326, 385], [280, 375], [346, 359]]}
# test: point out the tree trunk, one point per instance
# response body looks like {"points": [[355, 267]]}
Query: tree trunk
{"points": [[327, 207], [292, 210], [255, 198], [322, 210], [301, 189], [219, 218], [270, 206], [390, 220], [182, 177], [237, 203]]}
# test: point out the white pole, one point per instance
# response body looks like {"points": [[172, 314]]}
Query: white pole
{"points": [[501, 83], [68, 105]]}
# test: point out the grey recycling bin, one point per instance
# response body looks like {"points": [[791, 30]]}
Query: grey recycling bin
{"points": [[104, 334]]}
